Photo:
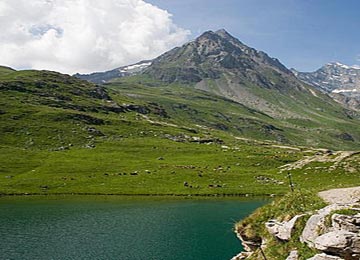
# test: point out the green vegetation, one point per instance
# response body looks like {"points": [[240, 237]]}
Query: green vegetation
{"points": [[5, 70], [61, 135], [282, 209]]}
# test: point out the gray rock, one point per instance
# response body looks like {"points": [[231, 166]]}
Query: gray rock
{"points": [[282, 230], [293, 255], [345, 222], [242, 256], [315, 226], [324, 256], [335, 241], [341, 243]]}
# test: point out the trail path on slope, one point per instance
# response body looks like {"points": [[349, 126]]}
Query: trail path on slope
{"points": [[342, 196], [335, 158]]}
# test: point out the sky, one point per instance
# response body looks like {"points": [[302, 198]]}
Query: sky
{"points": [[303, 34], [84, 36]]}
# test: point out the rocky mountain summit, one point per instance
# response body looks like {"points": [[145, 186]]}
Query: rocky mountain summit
{"points": [[340, 81], [210, 56], [219, 63]]}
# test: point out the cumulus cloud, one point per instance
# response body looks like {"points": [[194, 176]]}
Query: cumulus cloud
{"points": [[83, 35]]}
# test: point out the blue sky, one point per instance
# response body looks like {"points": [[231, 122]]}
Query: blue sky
{"points": [[304, 34]]}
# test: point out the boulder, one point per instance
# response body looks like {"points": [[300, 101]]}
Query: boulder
{"points": [[341, 243], [242, 256], [324, 256], [282, 230], [293, 255], [315, 226], [334, 241], [355, 245], [345, 222]]}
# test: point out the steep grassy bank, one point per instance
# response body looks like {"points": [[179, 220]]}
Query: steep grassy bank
{"points": [[283, 209]]}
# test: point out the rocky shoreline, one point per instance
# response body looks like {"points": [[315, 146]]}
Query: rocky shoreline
{"points": [[333, 232]]}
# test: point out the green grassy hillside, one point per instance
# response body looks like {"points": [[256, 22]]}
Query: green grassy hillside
{"points": [[62, 135], [318, 121]]}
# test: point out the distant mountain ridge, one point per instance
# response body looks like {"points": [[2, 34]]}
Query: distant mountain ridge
{"points": [[214, 83], [103, 77], [340, 81], [219, 63], [334, 78]]}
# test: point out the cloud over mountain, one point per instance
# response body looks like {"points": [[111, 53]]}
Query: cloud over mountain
{"points": [[83, 35]]}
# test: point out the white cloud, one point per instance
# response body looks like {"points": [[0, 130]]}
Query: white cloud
{"points": [[83, 35]]}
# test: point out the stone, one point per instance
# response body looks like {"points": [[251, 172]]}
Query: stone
{"points": [[334, 241], [282, 230], [315, 226], [293, 255], [324, 256], [341, 243], [355, 245], [242, 256], [345, 222]]}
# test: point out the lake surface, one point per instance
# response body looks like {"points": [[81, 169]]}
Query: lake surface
{"points": [[126, 229]]}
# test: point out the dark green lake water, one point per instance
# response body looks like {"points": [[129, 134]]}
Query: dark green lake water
{"points": [[146, 229]]}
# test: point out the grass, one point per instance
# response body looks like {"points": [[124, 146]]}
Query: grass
{"points": [[282, 209], [142, 166], [315, 121], [61, 135]]}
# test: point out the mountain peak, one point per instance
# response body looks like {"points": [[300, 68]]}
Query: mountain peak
{"points": [[220, 34], [223, 33], [338, 78], [341, 65], [216, 55]]}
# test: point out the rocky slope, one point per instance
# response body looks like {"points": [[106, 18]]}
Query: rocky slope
{"points": [[104, 77], [329, 233], [342, 82], [334, 77], [219, 63]]}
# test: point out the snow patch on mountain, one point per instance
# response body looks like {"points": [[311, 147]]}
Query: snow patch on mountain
{"points": [[135, 67]]}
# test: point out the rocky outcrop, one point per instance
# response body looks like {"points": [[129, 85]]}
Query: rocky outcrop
{"points": [[293, 255], [340, 243], [336, 236], [341, 239], [250, 244], [344, 222], [282, 230], [324, 256], [315, 226]]}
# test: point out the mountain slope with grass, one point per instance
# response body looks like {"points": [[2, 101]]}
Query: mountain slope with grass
{"points": [[174, 129], [218, 63], [63, 135]]}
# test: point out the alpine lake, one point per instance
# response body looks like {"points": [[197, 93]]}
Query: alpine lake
{"points": [[126, 228]]}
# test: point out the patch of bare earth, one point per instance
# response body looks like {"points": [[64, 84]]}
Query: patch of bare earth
{"points": [[322, 156], [341, 196]]}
